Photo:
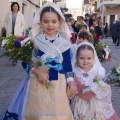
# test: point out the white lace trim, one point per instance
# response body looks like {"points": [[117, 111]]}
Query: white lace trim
{"points": [[88, 81], [52, 50]]}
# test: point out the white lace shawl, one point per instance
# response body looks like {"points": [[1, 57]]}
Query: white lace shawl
{"points": [[52, 50]]}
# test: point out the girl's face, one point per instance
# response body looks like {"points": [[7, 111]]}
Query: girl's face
{"points": [[82, 40], [69, 24], [94, 23], [85, 59], [72, 21], [50, 24], [15, 8]]}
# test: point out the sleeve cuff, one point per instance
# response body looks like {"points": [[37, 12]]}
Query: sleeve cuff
{"points": [[69, 79]]}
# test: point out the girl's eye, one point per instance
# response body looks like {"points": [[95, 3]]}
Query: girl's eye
{"points": [[55, 21], [89, 58], [45, 21], [81, 58]]}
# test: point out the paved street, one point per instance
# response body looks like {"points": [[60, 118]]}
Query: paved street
{"points": [[11, 76]]}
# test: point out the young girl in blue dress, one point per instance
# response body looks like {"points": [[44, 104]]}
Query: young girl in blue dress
{"points": [[33, 101]]}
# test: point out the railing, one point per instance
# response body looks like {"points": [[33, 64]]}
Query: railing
{"points": [[92, 1], [107, 0]]}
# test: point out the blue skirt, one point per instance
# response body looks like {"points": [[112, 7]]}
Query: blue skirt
{"points": [[15, 108]]}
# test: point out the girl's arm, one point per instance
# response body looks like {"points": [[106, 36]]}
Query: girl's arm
{"points": [[71, 89], [67, 65], [41, 74]]}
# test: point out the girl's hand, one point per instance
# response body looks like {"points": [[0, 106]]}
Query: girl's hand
{"points": [[42, 76], [71, 89]]}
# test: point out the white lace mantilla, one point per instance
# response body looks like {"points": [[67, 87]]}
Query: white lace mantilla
{"points": [[88, 81], [51, 50]]}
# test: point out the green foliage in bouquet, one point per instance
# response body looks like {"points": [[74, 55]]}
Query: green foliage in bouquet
{"points": [[15, 51], [27, 31], [2, 38], [99, 49]]}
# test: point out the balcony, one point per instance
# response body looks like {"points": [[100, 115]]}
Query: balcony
{"points": [[92, 1], [107, 3]]}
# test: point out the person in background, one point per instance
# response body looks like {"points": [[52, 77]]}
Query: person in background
{"points": [[106, 30], [118, 33], [84, 29], [78, 18], [72, 20], [83, 37], [73, 34], [88, 20], [97, 31], [113, 32], [14, 21]]}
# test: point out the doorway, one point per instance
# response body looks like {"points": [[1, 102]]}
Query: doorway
{"points": [[112, 19]]}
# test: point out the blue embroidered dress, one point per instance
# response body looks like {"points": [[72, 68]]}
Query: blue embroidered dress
{"points": [[32, 100]]}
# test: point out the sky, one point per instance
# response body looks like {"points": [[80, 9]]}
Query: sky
{"points": [[73, 3]]}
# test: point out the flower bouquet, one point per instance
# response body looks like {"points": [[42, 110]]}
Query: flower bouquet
{"points": [[21, 48], [103, 52], [113, 76], [18, 48]]}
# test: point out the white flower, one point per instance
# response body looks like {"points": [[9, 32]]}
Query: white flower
{"points": [[25, 40]]}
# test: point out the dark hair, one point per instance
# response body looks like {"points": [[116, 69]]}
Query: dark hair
{"points": [[84, 26], [96, 19], [67, 20], [84, 47], [83, 35], [78, 17], [81, 17], [49, 9], [87, 15], [13, 3]]}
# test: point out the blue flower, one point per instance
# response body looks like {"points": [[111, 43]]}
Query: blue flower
{"points": [[17, 44], [103, 51]]}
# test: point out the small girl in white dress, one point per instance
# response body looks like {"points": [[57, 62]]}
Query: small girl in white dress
{"points": [[93, 100]]}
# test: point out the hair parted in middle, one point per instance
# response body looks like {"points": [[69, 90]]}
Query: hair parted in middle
{"points": [[83, 47], [83, 35], [49, 9]]}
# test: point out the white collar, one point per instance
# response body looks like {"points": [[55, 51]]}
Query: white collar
{"points": [[53, 38], [87, 80]]}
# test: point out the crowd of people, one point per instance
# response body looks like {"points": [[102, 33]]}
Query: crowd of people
{"points": [[89, 25], [75, 76]]}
